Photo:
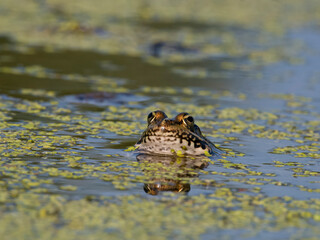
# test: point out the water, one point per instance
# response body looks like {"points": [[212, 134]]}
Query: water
{"points": [[69, 114]]}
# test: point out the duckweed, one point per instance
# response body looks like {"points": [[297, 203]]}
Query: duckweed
{"points": [[68, 168]]}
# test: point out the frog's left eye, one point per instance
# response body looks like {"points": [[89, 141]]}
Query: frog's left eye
{"points": [[190, 119]]}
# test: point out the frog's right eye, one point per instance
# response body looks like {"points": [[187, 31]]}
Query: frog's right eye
{"points": [[151, 117], [156, 116]]}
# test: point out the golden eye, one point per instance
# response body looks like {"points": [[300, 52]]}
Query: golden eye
{"points": [[151, 117], [156, 116], [189, 122], [190, 119]]}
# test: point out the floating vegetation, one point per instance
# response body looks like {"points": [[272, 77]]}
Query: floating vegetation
{"points": [[77, 81]]}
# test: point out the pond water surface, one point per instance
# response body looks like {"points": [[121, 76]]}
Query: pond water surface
{"points": [[75, 94]]}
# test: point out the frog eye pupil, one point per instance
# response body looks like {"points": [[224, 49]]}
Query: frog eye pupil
{"points": [[190, 119], [150, 115]]}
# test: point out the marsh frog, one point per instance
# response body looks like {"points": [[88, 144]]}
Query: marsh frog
{"points": [[179, 135]]}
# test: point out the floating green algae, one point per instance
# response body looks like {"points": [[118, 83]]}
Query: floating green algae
{"points": [[233, 65], [123, 27], [32, 141], [132, 216]]}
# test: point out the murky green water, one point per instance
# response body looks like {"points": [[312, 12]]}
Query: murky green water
{"points": [[78, 80]]}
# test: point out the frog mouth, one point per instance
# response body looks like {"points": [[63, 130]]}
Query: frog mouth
{"points": [[165, 140]]}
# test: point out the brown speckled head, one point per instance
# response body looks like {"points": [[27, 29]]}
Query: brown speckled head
{"points": [[179, 135]]}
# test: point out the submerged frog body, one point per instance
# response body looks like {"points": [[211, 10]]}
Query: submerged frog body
{"points": [[179, 135]]}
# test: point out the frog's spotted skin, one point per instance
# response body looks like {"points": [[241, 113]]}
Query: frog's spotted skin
{"points": [[173, 136]]}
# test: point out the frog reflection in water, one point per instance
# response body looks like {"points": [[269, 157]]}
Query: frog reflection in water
{"points": [[171, 136], [168, 173]]}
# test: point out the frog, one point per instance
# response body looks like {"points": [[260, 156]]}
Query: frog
{"points": [[174, 136]]}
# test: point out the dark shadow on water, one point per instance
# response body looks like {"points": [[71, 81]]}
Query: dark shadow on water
{"points": [[193, 25], [133, 72], [5, 40]]}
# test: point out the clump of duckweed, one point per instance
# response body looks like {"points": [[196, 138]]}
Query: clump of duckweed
{"points": [[129, 216], [63, 158], [63, 24]]}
